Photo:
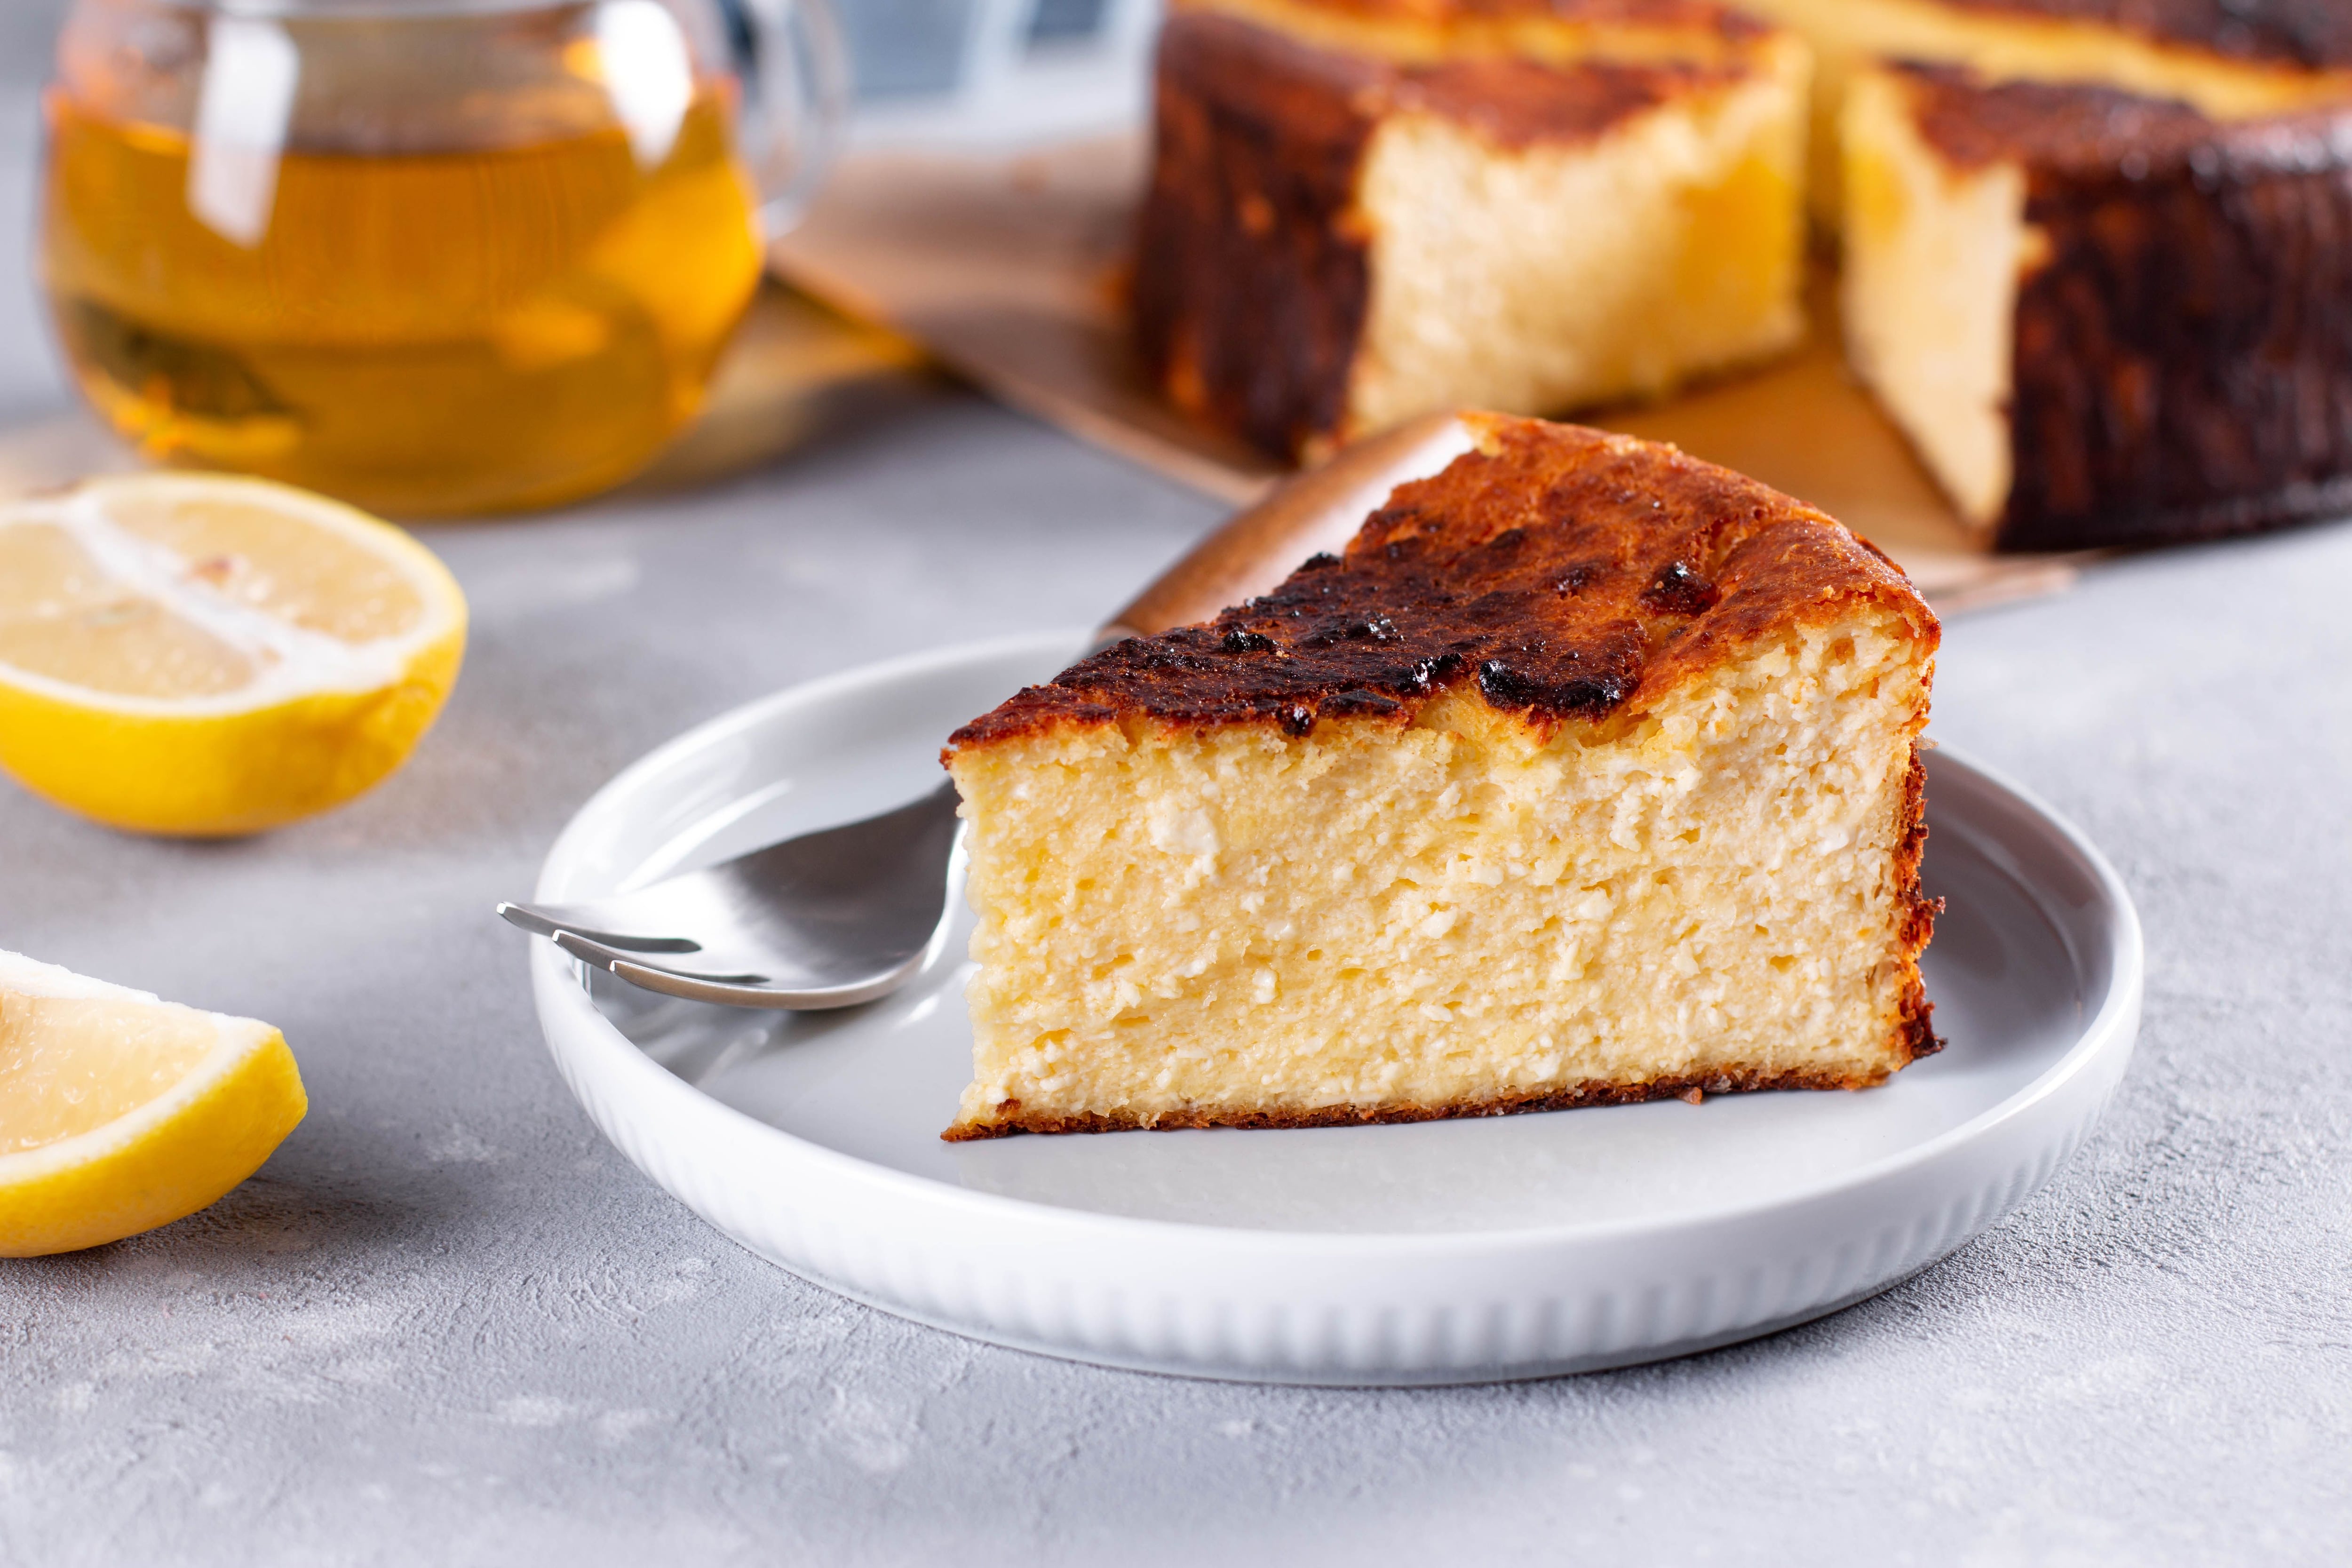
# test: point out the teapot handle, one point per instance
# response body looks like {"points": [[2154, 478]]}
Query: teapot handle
{"points": [[794, 70]]}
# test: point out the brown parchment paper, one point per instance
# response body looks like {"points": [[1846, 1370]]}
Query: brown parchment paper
{"points": [[1006, 269]]}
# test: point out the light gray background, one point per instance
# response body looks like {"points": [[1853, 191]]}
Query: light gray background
{"points": [[447, 1324]]}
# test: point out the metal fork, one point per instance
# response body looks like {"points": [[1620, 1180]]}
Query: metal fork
{"points": [[845, 914], [826, 920]]}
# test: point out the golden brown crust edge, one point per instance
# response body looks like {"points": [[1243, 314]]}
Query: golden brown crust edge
{"points": [[1012, 1119], [1914, 1030]]}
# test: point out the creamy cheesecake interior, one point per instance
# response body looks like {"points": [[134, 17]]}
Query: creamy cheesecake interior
{"points": [[1934, 250], [1552, 275], [1665, 840]]}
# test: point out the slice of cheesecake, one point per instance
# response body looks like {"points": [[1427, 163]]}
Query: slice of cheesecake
{"points": [[1364, 210], [2103, 319], [2231, 59], [1589, 774]]}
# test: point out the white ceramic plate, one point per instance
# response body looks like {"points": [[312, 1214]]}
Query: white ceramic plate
{"points": [[1437, 1252]]}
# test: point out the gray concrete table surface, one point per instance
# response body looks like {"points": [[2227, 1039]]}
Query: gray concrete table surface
{"points": [[447, 1324]]}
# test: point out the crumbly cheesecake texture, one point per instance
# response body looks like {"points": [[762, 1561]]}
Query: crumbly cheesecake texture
{"points": [[1590, 773], [2231, 59], [2103, 319], [1364, 210]]}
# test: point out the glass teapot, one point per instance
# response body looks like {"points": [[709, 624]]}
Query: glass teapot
{"points": [[440, 256]]}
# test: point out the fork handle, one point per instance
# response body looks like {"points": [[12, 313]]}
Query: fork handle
{"points": [[1264, 543]]}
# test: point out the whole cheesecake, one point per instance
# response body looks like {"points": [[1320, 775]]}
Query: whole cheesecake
{"points": [[1588, 774], [1364, 210], [2103, 318]]}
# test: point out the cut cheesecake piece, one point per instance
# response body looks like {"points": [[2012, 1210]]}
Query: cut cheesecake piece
{"points": [[2103, 319], [1361, 211], [2232, 59], [1590, 773]]}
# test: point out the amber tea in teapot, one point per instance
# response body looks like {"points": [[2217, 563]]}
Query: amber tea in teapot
{"points": [[432, 263]]}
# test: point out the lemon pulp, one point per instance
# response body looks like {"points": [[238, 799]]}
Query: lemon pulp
{"points": [[198, 654], [120, 1112]]}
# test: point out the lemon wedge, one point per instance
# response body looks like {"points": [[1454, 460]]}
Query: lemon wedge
{"points": [[120, 1112], [200, 655]]}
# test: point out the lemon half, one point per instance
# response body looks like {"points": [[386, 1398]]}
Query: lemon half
{"points": [[120, 1112], [202, 655]]}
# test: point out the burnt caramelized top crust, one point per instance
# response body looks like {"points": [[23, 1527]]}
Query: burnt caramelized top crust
{"points": [[2076, 132], [1519, 103], [1327, 97], [2311, 34], [1567, 574], [1697, 16]]}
